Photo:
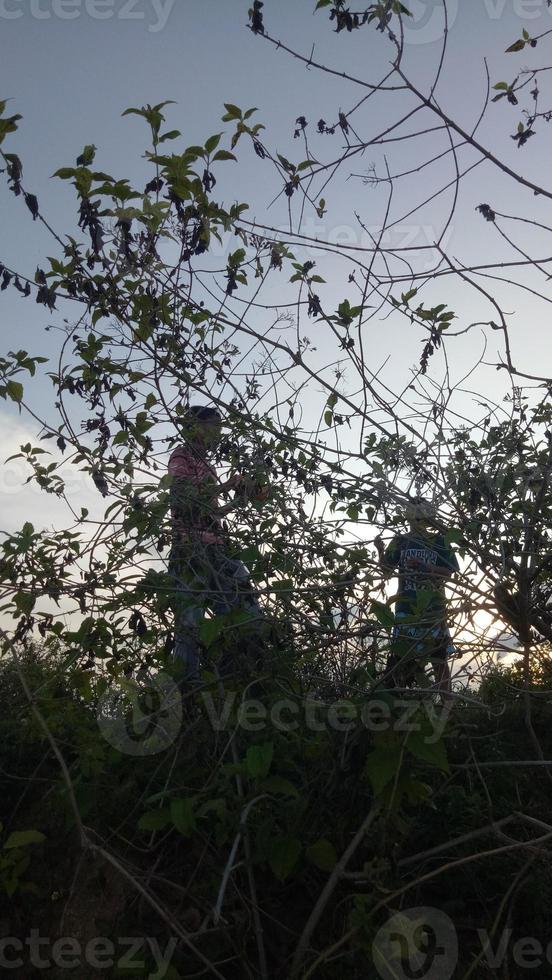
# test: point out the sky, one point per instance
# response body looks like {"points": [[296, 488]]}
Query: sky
{"points": [[70, 67]]}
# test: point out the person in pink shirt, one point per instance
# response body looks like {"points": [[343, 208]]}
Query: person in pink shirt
{"points": [[206, 574]]}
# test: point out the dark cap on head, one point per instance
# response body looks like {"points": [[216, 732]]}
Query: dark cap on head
{"points": [[203, 413]]}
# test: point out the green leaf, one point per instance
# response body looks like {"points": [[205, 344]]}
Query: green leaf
{"points": [[289, 167], [322, 854], [8, 126], [195, 151], [212, 143], [258, 760], [154, 819], [284, 855], [224, 155], [24, 602], [170, 973], [382, 765], [322, 3], [277, 784], [236, 257], [22, 838], [328, 418], [383, 614], [210, 629], [65, 173], [182, 815], [516, 46], [217, 806], [431, 751], [501, 85], [15, 391], [173, 134], [454, 535], [416, 791], [232, 112], [87, 156]]}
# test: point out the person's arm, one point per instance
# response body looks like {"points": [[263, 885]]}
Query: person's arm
{"points": [[448, 563], [388, 557], [225, 509], [234, 482], [247, 488]]}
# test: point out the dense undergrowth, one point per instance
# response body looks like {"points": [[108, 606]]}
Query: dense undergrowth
{"points": [[241, 809]]}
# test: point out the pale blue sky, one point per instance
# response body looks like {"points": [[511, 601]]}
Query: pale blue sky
{"points": [[71, 78]]}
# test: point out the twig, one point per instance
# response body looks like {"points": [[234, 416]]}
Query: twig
{"points": [[231, 857], [330, 886]]}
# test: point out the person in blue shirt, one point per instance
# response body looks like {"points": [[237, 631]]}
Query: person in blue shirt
{"points": [[424, 562]]}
